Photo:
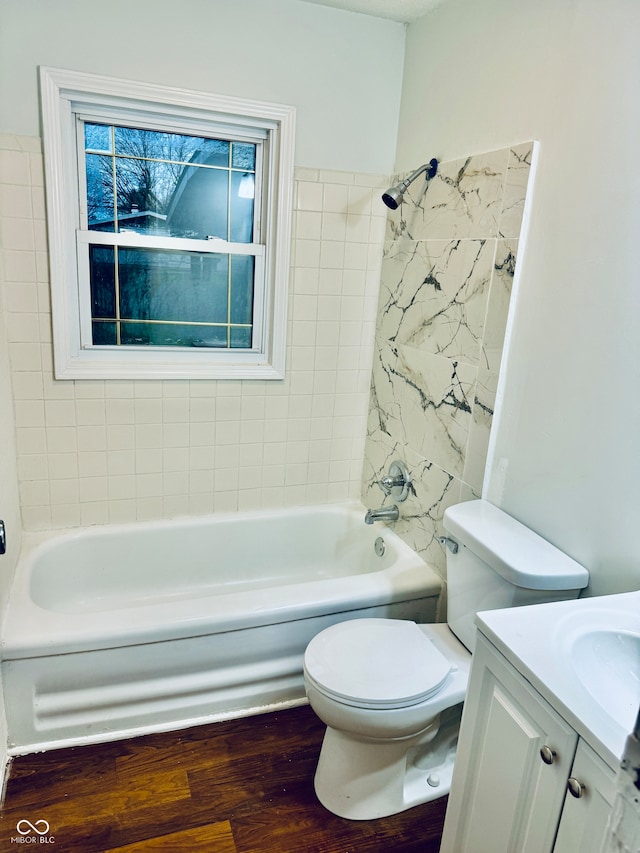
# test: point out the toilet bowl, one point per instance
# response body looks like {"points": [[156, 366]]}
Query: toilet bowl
{"points": [[390, 691], [390, 740]]}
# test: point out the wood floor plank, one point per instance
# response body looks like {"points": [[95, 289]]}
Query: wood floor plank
{"points": [[37, 783], [86, 838], [150, 821], [188, 747], [280, 826], [236, 788], [98, 800], [96, 812], [245, 785], [215, 838]]}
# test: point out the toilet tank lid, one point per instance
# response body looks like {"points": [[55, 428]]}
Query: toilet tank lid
{"points": [[511, 549]]}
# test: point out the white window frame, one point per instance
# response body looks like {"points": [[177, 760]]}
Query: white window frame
{"points": [[68, 94]]}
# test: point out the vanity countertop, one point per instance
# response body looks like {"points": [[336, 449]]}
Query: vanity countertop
{"points": [[583, 657]]}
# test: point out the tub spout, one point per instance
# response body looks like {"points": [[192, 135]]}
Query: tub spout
{"points": [[385, 513]]}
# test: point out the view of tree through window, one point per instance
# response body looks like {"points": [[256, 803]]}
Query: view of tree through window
{"points": [[171, 187]]}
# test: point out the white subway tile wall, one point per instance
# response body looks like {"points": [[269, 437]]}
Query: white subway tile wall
{"points": [[112, 451]]}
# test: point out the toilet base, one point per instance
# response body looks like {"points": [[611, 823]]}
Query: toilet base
{"points": [[366, 779]]}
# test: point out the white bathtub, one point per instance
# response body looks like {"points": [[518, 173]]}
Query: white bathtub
{"points": [[126, 629]]}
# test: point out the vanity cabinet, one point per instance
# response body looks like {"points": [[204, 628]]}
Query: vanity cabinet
{"points": [[587, 803], [515, 759]]}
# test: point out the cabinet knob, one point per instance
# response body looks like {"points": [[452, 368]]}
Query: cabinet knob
{"points": [[575, 788], [547, 754]]}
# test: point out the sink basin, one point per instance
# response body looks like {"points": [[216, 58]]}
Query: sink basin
{"points": [[583, 656], [607, 663]]}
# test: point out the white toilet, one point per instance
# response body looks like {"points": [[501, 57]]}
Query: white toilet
{"points": [[391, 691]]}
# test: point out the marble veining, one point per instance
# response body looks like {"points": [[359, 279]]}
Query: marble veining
{"points": [[495, 323], [436, 397], [463, 200], [515, 190], [446, 281], [434, 295]]}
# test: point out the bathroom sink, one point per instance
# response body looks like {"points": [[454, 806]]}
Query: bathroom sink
{"points": [[583, 656], [607, 663]]}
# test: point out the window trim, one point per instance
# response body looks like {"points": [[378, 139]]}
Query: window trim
{"points": [[65, 94]]}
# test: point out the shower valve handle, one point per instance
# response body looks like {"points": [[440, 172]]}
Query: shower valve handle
{"points": [[387, 483], [397, 481]]}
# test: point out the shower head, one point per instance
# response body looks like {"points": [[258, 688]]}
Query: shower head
{"points": [[393, 196]]}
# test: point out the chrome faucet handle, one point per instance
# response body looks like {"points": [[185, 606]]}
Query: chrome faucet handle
{"points": [[387, 483], [396, 483]]}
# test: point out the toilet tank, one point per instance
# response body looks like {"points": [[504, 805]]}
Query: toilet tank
{"points": [[500, 563]]}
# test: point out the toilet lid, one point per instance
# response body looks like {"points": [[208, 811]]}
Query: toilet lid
{"points": [[376, 663]]}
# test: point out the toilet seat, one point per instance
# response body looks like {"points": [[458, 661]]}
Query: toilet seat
{"points": [[376, 663]]}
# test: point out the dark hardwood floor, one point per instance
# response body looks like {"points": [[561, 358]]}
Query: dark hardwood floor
{"points": [[241, 786]]}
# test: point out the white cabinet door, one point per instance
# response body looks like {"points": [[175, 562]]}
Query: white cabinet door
{"points": [[584, 818], [504, 797]]}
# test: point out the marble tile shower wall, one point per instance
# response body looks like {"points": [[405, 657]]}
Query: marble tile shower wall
{"points": [[96, 452], [447, 271]]}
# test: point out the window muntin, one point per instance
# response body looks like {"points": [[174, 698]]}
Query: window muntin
{"points": [[70, 97]]}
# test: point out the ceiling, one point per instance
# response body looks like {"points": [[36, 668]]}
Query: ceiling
{"points": [[404, 11]]}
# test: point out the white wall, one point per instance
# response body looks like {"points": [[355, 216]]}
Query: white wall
{"points": [[480, 76], [9, 506], [341, 70], [9, 503], [94, 452]]}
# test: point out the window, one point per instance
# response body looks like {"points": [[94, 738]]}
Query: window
{"points": [[139, 183], [169, 223]]}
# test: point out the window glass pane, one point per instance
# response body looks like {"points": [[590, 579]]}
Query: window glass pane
{"points": [[172, 335], [177, 286], [242, 288], [211, 152], [244, 156], [170, 184], [99, 172], [174, 147], [143, 191], [209, 337], [198, 207], [153, 297], [103, 281], [241, 225], [97, 137], [176, 201], [104, 334], [240, 338]]}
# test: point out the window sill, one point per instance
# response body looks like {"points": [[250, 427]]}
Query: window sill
{"points": [[174, 364]]}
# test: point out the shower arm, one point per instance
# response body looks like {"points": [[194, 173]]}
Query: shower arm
{"points": [[431, 168], [393, 196]]}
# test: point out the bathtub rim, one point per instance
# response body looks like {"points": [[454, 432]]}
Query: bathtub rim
{"points": [[55, 632]]}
